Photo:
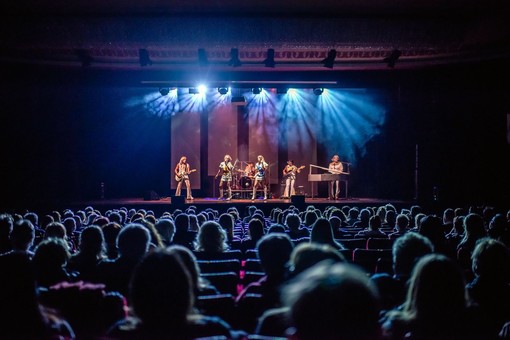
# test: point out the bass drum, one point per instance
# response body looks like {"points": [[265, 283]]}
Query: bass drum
{"points": [[245, 182]]}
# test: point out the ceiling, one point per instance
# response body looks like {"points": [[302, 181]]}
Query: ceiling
{"points": [[107, 36]]}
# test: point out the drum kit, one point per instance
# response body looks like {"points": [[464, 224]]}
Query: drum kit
{"points": [[244, 176]]}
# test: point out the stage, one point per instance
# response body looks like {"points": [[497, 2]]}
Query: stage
{"points": [[171, 203]]}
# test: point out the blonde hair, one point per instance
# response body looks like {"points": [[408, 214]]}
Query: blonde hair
{"points": [[182, 158]]}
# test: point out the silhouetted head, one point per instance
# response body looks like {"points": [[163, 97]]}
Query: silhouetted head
{"points": [[333, 301]]}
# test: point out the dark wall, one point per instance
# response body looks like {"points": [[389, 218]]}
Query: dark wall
{"points": [[61, 143]]}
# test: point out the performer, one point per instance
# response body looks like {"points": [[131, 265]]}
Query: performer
{"points": [[289, 173], [182, 171], [249, 170], [260, 176], [226, 169], [335, 167]]}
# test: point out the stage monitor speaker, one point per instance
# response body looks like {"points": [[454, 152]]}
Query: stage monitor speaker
{"points": [[298, 199], [150, 195], [177, 200]]}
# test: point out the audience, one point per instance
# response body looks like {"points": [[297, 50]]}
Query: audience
{"points": [[89, 288]]}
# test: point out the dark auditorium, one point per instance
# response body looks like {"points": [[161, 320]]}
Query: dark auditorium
{"points": [[216, 170]]}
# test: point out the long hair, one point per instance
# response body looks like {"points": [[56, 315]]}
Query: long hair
{"points": [[211, 237], [161, 291], [322, 232], [437, 290]]}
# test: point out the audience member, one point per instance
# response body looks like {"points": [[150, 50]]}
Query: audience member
{"points": [[22, 317], [436, 305], [373, 231], [162, 298], [50, 260], [211, 238], [490, 288], [322, 233], [332, 301], [90, 254], [133, 244]]}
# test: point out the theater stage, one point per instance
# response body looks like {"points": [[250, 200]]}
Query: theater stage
{"points": [[171, 203]]}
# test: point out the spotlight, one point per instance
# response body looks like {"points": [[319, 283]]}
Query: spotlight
{"points": [[144, 57], [193, 90], [234, 58], [392, 58], [318, 91], [84, 57], [202, 57], [329, 61], [256, 90], [222, 90], [164, 91], [281, 90], [269, 61]]}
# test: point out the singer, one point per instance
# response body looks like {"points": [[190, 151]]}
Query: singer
{"points": [[335, 167], [260, 176], [226, 169]]}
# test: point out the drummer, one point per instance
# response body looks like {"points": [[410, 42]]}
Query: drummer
{"points": [[249, 170]]}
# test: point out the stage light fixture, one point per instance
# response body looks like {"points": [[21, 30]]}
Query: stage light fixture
{"points": [[84, 57], [222, 90], [164, 91], [281, 90], [269, 61], [318, 91], [256, 90], [193, 90], [202, 57], [145, 60], [329, 61], [234, 58], [391, 60]]}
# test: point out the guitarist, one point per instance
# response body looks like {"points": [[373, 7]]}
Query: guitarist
{"points": [[182, 171], [289, 173], [226, 169]]}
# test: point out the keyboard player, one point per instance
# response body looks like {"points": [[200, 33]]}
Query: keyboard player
{"points": [[335, 167]]}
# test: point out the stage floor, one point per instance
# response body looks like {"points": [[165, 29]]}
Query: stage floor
{"points": [[166, 204]]}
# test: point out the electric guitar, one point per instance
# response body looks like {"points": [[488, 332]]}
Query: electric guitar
{"points": [[178, 178], [294, 172]]}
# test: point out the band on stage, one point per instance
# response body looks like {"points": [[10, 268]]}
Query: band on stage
{"points": [[254, 176]]}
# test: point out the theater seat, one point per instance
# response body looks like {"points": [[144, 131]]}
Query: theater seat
{"points": [[225, 282], [380, 243], [367, 258], [218, 266], [222, 305]]}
